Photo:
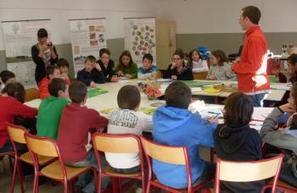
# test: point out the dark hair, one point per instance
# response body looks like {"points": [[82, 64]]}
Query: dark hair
{"points": [[15, 90], [104, 51], [56, 85], [77, 91], [192, 52], [50, 70], [293, 92], [178, 94], [293, 124], [62, 63], [148, 57], [253, 13], [220, 54], [128, 54], [42, 33], [90, 58], [5, 75], [292, 59], [128, 97], [180, 53], [238, 110]]}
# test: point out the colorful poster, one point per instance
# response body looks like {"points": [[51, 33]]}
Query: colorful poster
{"points": [[87, 38], [140, 37], [19, 37]]}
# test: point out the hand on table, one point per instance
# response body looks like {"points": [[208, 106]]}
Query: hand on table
{"points": [[93, 84]]}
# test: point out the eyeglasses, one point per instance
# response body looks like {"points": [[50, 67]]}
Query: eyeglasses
{"points": [[174, 59]]}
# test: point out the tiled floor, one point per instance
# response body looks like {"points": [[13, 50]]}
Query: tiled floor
{"points": [[47, 187]]}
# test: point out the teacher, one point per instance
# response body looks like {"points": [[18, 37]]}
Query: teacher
{"points": [[44, 53], [251, 68]]}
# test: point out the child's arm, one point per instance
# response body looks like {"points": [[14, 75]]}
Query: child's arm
{"points": [[20, 109], [81, 77], [147, 122], [133, 72], [97, 121], [43, 89]]}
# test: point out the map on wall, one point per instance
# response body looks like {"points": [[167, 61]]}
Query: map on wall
{"points": [[19, 37], [87, 38], [140, 38]]}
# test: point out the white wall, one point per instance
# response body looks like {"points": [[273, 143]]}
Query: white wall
{"points": [[59, 11], [221, 16]]}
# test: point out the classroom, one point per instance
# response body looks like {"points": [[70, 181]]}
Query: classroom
{"points": [[137, 96]]}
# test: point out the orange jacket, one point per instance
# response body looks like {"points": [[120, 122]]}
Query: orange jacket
{"points": [[43, 88], [251, 70]]}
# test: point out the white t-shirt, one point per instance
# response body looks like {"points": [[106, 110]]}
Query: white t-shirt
{"points": [[200, 66], [125, 121]]}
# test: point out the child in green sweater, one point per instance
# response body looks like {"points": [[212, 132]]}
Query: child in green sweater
{"points": [[126, 68], [51, 108]]}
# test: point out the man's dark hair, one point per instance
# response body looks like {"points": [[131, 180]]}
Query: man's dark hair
{"points": [[238, 110], [56, 85], [62, 63], [253, 13], [104, 51], [148, 57], [77, 91], [5, 75], [42, 33], [128, 97], [50, 70], [178, 94], [15, 90], [90, 58]]}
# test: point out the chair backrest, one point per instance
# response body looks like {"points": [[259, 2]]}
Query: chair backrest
{"points": [[16, 133], [41, 145], [31, 94], [164, 153], [116, 143], [249, 171]]}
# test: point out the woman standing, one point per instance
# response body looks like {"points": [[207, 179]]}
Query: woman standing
{"points": [[44, 53]]}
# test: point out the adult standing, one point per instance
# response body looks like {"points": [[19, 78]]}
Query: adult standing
{"points": [[251, 67], [44, 53]]}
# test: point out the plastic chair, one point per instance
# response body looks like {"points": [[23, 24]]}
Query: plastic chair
{"points": [[117, 143], [31, 94], [17, 135], [249, 171], [42, 146], [170, 155]]}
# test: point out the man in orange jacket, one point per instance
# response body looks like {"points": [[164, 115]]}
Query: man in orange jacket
{"points": [[251, 67]]}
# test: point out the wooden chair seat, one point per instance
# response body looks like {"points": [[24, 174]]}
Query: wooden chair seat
{"points": [[108, 171], [26, 157], [54, 171]]}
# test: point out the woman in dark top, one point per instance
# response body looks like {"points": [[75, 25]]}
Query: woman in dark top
{"points": [[236, 141], [178, 70], [44, 53], [107, 65]]}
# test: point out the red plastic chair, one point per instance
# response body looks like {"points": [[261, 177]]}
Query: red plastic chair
{"points": [[249, 171], [117, 143], [170, 155]]}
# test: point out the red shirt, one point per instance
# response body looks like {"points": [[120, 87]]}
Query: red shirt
{"points": [[76, 122], [43, 88], [10, 107], [251, 70]]}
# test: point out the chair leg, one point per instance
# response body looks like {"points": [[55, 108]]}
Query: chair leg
{"points": [[35, 183], [148, 187], [21, 176], [143, 185], [12, 180], [65, 186]]}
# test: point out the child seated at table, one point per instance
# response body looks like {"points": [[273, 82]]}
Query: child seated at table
{"points": [[148, 70], [50, 109], [127, 119], [196, 62], [63, 66], [92, 73], [175, 125], [76, 122], [235, 140], [219, 68], [126, 69], [178, 70], [6, 77], [51, 73], [11, 103], [107, 65]]}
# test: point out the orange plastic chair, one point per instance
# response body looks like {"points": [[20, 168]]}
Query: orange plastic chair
{"points": [[43, 146], [117, 143], [170, 155], [31, 94], [252, 170], [17, 135]]}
